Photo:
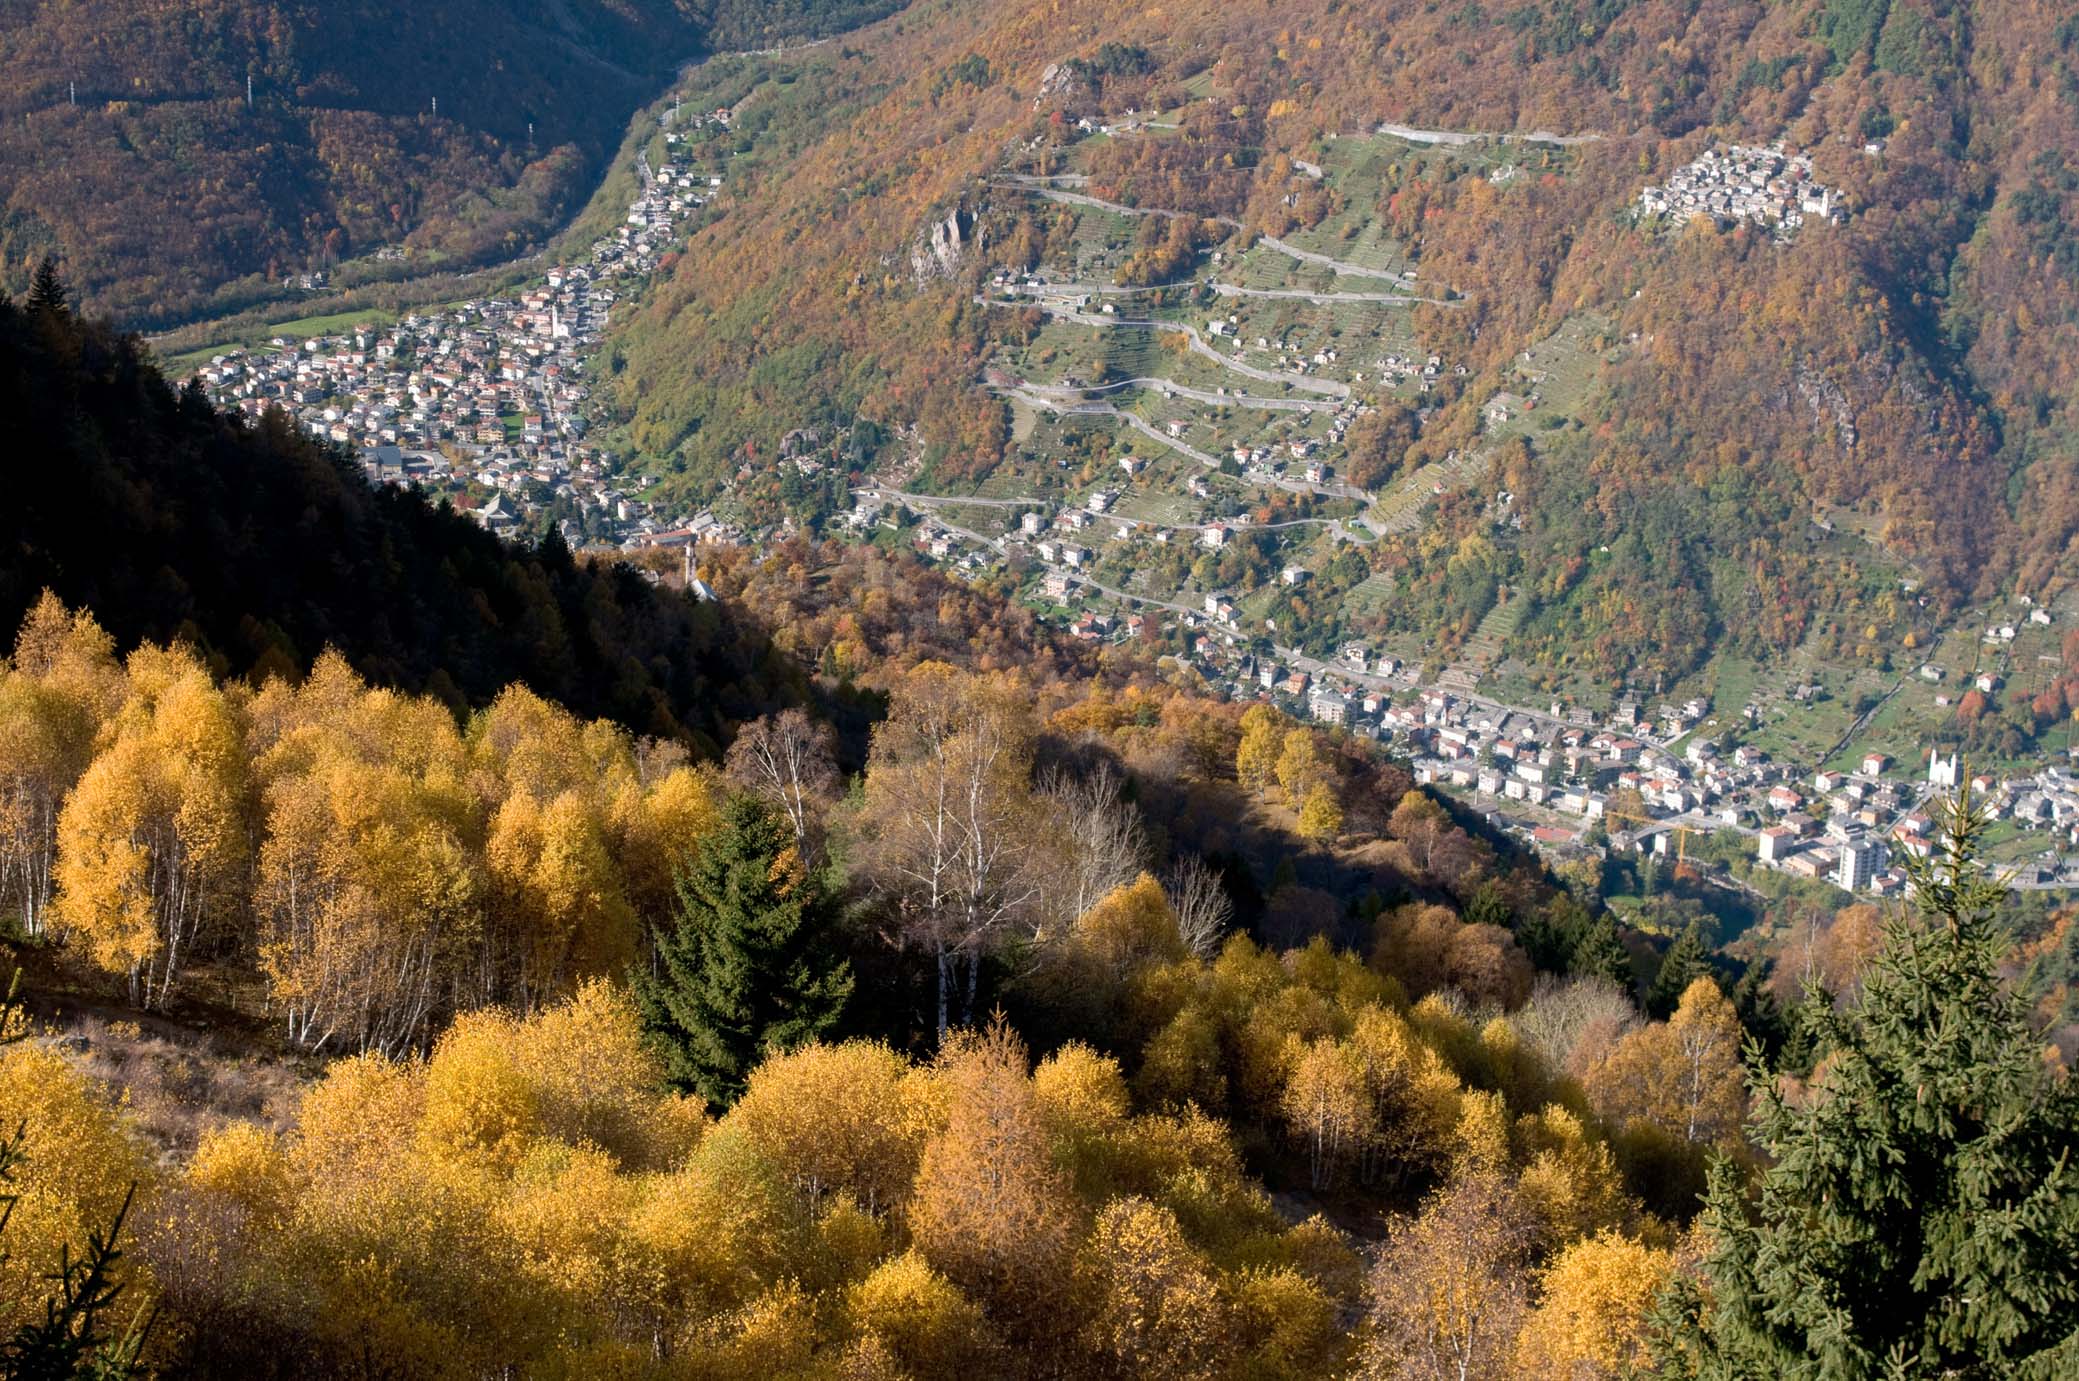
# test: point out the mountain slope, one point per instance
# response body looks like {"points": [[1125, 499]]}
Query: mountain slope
{"points": [[1907, 373], [458, 130], [263, 548]]}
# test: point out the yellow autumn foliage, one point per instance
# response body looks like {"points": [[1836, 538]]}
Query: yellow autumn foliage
{"points": [[1592, 1305]]}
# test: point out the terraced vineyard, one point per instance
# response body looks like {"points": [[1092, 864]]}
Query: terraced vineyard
{"points": [[1484, 648], [1234, 385], [1399, 508]]}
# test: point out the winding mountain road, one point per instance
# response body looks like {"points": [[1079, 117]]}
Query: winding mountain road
{"points": [[1304, 383], [1339, 267], [1063, 396], [1454, 138], [1322, 298]]}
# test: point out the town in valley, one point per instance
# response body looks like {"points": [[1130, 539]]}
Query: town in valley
{"points": [[1232, 432]]}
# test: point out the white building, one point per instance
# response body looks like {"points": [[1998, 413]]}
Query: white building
{"points": [[1944, 772], [1861, 860]]}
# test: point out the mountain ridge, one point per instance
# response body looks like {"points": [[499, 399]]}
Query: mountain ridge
{"points": [[297, 137]]}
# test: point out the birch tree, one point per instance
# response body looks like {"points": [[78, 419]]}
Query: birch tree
{"points": [[790, 761], [61, 686], [153, 837], [368, 898], [1448, 1293], [1202, 904], [1097, 836], [951, 822]]}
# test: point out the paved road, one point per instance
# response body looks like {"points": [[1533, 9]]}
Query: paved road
{"points": [[1034, 396], [878, 491], [1145, 428], [1305, 383], [1338, 267], [1455, 137], [1301, 294], [931, 503], [1090, 408], [1315, 664], [1064, 394], [1227, 290], [1305, 256], [1198, 609]]}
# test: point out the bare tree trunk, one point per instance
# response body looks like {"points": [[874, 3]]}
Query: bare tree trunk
{"points": [[1203, 908]]}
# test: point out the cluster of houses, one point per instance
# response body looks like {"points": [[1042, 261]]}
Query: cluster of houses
{"points": [[1751, 183], [1287, 355], [1646, 794], [1302, 457], [1641, 779], [1397, 368], [1613, 774], [1866, 823], [486, 402], [1392, 367]]}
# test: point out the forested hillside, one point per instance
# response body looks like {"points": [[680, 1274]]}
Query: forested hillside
{"points": [[459, 131], [1903, 377], [986, 1007], [262, 548]]}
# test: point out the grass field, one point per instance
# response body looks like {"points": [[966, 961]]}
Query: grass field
{"points": [[295, 328]]}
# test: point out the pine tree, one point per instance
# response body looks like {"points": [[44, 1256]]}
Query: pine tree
{"points": [[1685, 962], [1543, 943], [1548, 935], [47, 290], [1488, 906], [748, 965], [1920, 1216]]}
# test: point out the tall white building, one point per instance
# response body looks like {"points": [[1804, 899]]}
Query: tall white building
{"points": [[1861, 858]]}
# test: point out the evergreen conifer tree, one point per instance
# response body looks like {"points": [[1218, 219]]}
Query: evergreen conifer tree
{"points": [[75, 1338], [1543, 942], [1920, 1213], [1600, 952], [748, 965], [1685, 962], [1761, 1016], [1488, 906], [47, 290]]}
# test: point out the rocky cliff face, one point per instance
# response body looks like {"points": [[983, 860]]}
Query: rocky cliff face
{"points": [[941, 250]]}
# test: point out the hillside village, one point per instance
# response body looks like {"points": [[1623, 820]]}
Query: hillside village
{"points": [[487, 402], [1562, 776], [1745, 184], [1650, 779]]}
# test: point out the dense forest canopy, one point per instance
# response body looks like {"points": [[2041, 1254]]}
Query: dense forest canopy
{"points": [[262, 547], [458, 131]]}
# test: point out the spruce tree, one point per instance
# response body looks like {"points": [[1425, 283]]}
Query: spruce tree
{"points": [[1685, 962], [1920, 1213], [748, 965], [1760, 1014], [1488, 906], [47, 289], [1544, 942], [1599, 953]]}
